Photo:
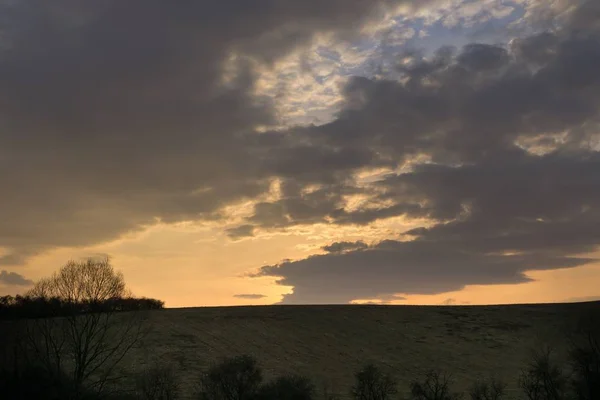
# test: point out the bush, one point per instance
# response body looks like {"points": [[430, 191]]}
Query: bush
{"points": [[157, 383], [34, 382], [292, 387], [436, 386], [236, 378], [585, 359], [373, 384], [492, 390], [542, 379]]}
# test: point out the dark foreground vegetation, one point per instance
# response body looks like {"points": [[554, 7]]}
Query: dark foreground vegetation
{"points": [[66, 338]]}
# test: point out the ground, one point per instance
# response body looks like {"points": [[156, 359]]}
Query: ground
{"points": [[329, 343]]}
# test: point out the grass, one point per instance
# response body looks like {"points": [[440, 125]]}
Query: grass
{"points": [[330, 343]]}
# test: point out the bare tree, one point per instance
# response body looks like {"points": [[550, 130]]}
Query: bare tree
{"points": [[91, 280], [236, 378], [543, 378], [287, 387], [585, 357], [436, 386], [158, 383], [88, 338], [493, 389], [371, 383]]}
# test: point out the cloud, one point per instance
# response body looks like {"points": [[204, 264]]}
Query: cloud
{"points": [[241, 231], [497, 147], [249, 296], [117, 114], [390, 267], [582, 299], [18, 258], [14, 279], [486, 104], [381, 300], [340, 247], [493, 229]]}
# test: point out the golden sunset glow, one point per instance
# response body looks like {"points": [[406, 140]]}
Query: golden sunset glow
{"points": [[385, 151]]}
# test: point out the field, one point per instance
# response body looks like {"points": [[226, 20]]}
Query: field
{"points": [[329, 343]]}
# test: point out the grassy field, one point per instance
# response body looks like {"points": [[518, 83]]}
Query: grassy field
{"points": [[329, 343]]}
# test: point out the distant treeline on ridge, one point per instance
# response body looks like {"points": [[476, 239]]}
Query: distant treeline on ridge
{"points": [[19, 307]]}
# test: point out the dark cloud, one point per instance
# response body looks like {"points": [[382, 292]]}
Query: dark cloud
{"points": [[501, 220], [14, 279], [454, 116], [241, 231], [297, 206], [390, 267], [531, 194], [512, 178], [387, 299], [482, 57], [340, 247], [249, 296], [482, 105], [18, 258], [114, 114]]}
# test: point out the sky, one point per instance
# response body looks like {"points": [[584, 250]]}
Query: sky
{"points": [[304, 152]]}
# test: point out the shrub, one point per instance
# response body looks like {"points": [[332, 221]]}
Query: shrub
{"points": [[436, 386], [488, 390], [292, 387], [542, 379], [236, 378], [35, 382], [373, 384], [157, 383], [585, 359]]}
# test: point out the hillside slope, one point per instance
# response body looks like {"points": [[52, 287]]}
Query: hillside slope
{"points": [[329, 343]]}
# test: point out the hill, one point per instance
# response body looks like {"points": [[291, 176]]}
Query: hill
{"points": [[329, 343]]}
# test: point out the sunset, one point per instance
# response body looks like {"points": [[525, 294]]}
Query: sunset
{"points": [[336, 164], [336, 152]]}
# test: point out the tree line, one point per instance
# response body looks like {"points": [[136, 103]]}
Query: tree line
{"points": [[79, 287], [20, 307], [66, 337]]}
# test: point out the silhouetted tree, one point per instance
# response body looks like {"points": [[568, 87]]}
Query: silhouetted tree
{"points": [[81, 338], [488, 390], [291, 387], [157, 383], [12, 360], [436, 386], [236, 378], [373, 384], [543, 379], [585, 358], [22, 307], [92, 280], [34, 382]]}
